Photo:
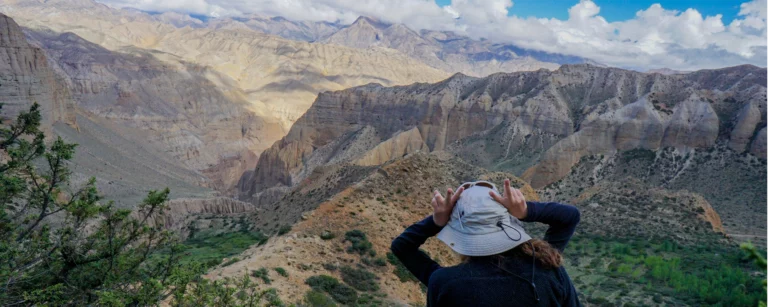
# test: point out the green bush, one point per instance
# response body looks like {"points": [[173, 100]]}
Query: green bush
{"points": [[263, 274], [360, 243], [327, 235], [283, 230], [315, 298], [359, 279], [282, 272], [379, 261], [338, 291]]}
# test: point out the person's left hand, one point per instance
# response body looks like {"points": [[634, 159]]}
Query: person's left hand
{"points": [[444, 206], [513, 200]]}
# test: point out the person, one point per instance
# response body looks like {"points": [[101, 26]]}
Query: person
{"points": [[501, 264]]}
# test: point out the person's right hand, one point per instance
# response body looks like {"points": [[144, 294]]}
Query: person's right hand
{"points": [[513, 200], [444, 206]]}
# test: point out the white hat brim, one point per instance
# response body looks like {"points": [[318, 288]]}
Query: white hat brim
{"points": [[483, 244]]}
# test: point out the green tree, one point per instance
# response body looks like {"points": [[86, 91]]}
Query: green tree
{"points": [[761, 262], [64, 246]]}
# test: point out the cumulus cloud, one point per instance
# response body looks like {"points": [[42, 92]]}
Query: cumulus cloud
{"points": [[656, 37]]}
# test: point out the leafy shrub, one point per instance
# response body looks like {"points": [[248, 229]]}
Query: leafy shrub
{"points": [[283, 230], [327, 235], [360, 243], [282, 272], [263, 274], [315, 298], [379, 261], [359, 279], [338, 291]]}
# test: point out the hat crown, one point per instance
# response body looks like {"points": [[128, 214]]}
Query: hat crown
{"points": [[477, 213]]}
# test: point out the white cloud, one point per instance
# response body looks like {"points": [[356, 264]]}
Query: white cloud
{"points": [[656, 37]]}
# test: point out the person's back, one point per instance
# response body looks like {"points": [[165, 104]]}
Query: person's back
{"points": [[481, 282], [498, 267]]}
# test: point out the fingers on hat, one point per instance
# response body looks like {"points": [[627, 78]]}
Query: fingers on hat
{"points": [[458, 193], [496, 197]]}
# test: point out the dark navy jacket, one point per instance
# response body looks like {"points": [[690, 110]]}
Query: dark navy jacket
{"points": [[482, 282]]}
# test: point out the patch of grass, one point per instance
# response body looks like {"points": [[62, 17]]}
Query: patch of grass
{"points": [[282, 272], [338, 291], [263, 274], [209, 249], [360, 279]]}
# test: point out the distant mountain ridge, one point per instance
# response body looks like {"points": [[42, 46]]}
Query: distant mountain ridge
{"points": [[443, 50]]}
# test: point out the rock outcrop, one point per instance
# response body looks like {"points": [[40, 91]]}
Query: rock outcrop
{"points": [[180, 209], [27, 78], [759, 144]]}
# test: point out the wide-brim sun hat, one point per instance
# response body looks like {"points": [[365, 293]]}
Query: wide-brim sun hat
{"points": [[480, 226]]}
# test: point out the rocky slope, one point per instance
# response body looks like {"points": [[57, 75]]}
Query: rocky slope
{"points": [[208, 127], [538, 124], [26, 78]]}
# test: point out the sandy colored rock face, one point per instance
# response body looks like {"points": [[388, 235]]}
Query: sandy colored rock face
{"points": [[27, 78]]}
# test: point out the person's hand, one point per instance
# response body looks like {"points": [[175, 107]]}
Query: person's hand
{"points": [[444, 206], [513, 200]]}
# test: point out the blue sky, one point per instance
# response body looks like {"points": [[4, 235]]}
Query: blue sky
{"points": [[618, 10]]}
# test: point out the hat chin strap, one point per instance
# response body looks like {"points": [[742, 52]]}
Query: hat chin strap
{"points": [[501, 225], [533, 263]]}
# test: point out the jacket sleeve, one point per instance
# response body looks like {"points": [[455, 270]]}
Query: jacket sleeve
{"points": [[406, 248], [562, 221]]}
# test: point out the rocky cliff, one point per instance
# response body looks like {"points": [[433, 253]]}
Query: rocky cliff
{"points": [[538, 124], [27, 78], [180, 210]]}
